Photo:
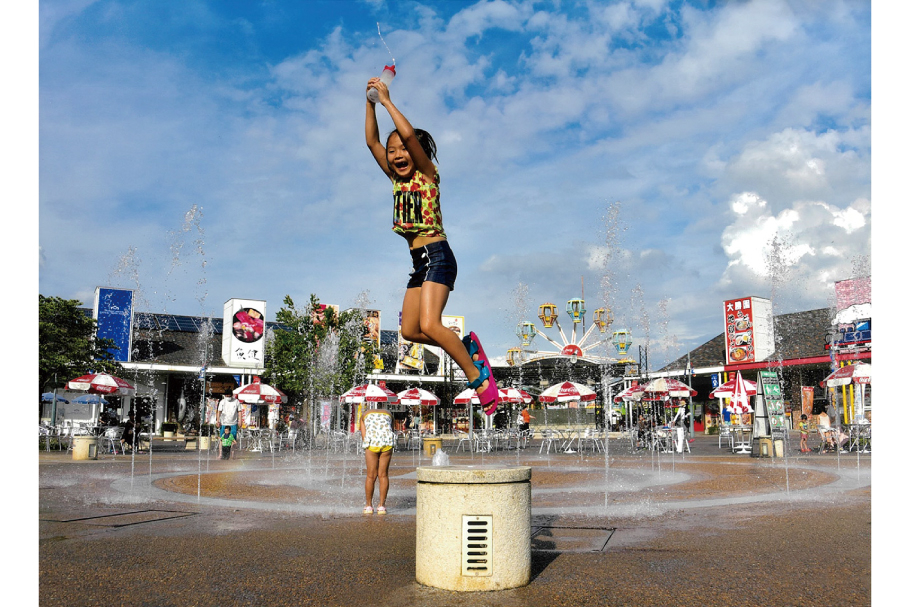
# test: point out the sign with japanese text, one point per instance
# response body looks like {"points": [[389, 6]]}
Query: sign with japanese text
{"points": [[773, 398], [243, 338], [748, 330]]}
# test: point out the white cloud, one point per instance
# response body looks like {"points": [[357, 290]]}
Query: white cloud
{"points": [[710, 139]]}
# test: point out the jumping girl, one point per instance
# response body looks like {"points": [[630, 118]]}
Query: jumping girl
{"points": [[406, 160]]}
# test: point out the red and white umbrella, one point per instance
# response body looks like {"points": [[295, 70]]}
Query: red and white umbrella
{"points": [[369, 393], [725, 390], [418, 396], [514, 396], [102, 383], [630, 393], [858, 373], [566, 392], [739, 400], [669, 387], [258, 392], [466, 397]]}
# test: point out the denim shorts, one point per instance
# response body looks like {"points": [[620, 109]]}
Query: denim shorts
{"points": [[434, 263]]}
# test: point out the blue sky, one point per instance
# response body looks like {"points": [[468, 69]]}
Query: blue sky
{"points": [[649, 149]]}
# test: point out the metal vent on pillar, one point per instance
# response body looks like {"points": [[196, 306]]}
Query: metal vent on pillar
{"points": [[476, 545]]}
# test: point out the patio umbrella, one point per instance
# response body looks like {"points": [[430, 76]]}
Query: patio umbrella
{"points": [[258, 392], [48, 397], [668, 387], [859, 373], [630, 393], [102, 383], [725, 390], [467, 397], [90, 399], [514, 396], [418, 397], [369, 393], [566, 392], [739, 401]]}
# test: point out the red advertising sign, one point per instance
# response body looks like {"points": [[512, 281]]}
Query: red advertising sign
{"points": [[739, 331]]}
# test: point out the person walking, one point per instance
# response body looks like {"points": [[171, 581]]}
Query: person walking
{"points": [[378, 441], [526, 418], [228, 414]]}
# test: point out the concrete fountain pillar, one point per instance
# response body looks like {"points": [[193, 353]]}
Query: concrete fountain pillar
{"points": [[474, 527]]}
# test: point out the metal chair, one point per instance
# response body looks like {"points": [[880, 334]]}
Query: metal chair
{"points": [[724, 433], [109, 441], [549, 438], [483, 442], [414, 440], [590, 439], [463, 438]]}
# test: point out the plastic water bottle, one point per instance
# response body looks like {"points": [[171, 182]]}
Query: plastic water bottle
{"points": [[388, 73]]}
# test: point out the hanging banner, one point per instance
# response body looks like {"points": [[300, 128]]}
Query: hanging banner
{"points": [[114, 314], [243, 336], [325, 418], [808, 397]]}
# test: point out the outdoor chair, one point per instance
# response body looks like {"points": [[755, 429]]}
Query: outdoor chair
{"points": [[288, 440], [463, 438], [724, 434], [414, 440], [339, 440], [550, 438], [825, 440], [524, 437], [861, 438], [483, 442], [47, 433], [110, 440], [663, 440], [590, 439], [244, 438]]}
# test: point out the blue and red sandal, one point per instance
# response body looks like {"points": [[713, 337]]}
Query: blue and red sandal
{"points": [[489, 398]]}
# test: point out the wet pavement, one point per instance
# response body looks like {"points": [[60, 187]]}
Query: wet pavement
{"points": [[706, 528]]}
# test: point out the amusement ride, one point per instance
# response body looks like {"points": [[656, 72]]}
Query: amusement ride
{"points": [[573, 349]]}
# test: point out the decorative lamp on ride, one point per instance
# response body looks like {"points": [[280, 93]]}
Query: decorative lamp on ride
{"points": [[622, 340], [575, 308], [548, 313], [603, 318], [513, 356], [526, 331]]}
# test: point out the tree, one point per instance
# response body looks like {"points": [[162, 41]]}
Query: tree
{"points": [[318, 353], [67, 343]]}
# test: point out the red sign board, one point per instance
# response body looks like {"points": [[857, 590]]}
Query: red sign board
{"points": [[739, 336]]}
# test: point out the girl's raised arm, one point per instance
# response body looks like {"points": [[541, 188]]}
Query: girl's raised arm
{"points": [[372, 135], [405, 131]]}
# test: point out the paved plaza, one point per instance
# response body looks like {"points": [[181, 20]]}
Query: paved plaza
{"points": [[702, 528]]}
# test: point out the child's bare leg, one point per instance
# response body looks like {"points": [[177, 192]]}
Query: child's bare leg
{"points": [[421, 322], [372, 459], [383, 470]]}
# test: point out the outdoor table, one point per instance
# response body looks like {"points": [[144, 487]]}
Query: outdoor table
{"points": [[742, 445]]}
